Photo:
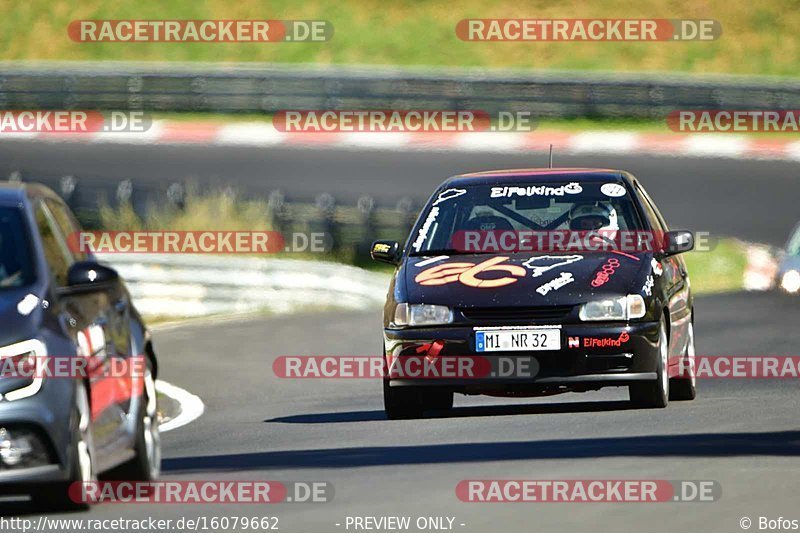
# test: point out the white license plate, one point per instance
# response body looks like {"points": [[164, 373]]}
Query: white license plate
{"points": [[517, 340]]}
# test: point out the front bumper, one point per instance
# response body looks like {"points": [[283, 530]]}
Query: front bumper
{"points": [[47, 415], [600, 358]]}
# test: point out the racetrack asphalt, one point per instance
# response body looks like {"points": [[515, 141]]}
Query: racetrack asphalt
{"points": [[741, 433], [752, 200]]}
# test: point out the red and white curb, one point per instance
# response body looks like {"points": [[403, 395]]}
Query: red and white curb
{"points": [[587, 142], [191, 406]]}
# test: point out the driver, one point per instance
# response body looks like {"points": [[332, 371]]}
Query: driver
{"points": [[597, 216]]}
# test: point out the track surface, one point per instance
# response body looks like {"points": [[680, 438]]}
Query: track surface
{"points": [[742, 433], [748, 199]]}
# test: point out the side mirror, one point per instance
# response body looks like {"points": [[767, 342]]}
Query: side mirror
{"points": [[385, 252], [677, 242], [89, 276]]}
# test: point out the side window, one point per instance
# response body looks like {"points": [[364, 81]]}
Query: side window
{"points": [[649, 210], [67, 224], [58, 258], [652, 207]]}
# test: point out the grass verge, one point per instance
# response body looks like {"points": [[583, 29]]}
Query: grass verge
{"points": [[721, 270], [167, 408], [758, 37]]}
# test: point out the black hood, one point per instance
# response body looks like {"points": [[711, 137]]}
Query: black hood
{"points": [[523, 274]]}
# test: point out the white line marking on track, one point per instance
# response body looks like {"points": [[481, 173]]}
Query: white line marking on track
{"points": [[192, 406]]}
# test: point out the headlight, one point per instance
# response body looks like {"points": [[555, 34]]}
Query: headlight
{"points": [[14, 355], [622, 308], [790, 282], [421, 315]]}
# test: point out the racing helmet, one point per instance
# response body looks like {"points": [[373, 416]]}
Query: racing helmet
{"points": [[593, 217]]}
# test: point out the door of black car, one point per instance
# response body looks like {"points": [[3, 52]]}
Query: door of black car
{"points": [[98, 323], [675, 279]]}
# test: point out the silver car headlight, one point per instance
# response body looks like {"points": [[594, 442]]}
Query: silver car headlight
{"points": [[421, 315], [622, 308], [10, 356]]}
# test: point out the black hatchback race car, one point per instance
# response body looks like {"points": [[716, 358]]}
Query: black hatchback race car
{"points": [[570, 278]]}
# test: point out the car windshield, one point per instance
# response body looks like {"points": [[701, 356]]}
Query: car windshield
{"points": [[522, 206], [16, 265], [793, 247]]}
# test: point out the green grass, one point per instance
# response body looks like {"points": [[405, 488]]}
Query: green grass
{"points": [[167, 407], [721, 270], [758, 37], [218, 210], [229, 210]]}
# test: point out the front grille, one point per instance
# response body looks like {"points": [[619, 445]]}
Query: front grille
{"points": [[516, 314]]}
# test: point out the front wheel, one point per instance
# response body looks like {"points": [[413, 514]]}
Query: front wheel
{"points": [[685, 388], [438, 399], [81, 459], [402, 403], [655, 394], [146, 464]]}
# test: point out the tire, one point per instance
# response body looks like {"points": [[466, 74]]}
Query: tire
{"points": [[402, 403], [146, 464], [438, 399], [681, 388], [55, 496], [655, 394]]}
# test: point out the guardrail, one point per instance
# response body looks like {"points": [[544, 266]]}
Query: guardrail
{"points": [[180, 285], [257, 88], [348, 229]]}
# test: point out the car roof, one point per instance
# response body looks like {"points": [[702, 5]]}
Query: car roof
{"points": [[541, 175], [13, 192]]}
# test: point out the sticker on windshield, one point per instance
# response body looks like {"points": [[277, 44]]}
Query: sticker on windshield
{"points": [[543, 263], [614, 190], [449, 194], [533, 190], [423, 231]]}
